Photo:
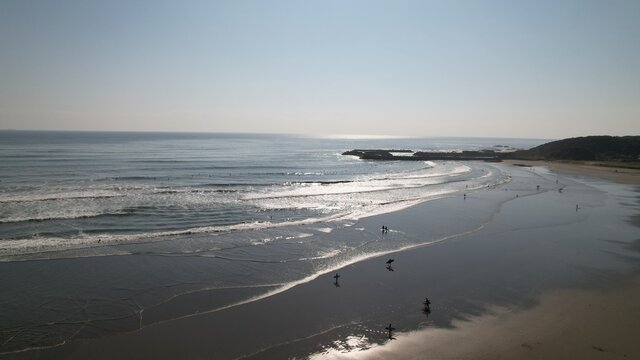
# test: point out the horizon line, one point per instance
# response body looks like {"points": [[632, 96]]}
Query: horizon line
{"points": [[302, 135]]}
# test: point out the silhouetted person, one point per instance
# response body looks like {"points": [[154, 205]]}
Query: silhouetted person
{"points": [[427, 305], [390, 261], [390, 330], [336, 276]]}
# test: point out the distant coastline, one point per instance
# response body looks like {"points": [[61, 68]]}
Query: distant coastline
{"points": [[622, 150]]}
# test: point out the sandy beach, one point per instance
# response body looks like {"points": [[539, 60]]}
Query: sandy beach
{"points": [[610, 172], [565, 324], [324, 180], [537, 278]]}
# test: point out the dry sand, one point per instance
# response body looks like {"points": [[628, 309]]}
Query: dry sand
{"points": [[611, 173]]}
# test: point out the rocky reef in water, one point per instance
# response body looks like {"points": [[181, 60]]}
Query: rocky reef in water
{"points": [[589, 148], [380, 154]]}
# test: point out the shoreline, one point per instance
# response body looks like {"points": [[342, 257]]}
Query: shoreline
{"points": [[564, 324], [513, 280]]}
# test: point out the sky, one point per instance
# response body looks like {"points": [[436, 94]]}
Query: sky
{"points": [[529, 69]]}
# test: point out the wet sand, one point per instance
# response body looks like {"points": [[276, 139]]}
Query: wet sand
{"points": [[536, 262], [566, 324]]}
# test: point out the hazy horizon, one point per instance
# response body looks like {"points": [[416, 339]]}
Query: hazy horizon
{"points": [[503, 69]]}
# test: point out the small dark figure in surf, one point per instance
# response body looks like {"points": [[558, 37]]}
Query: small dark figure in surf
{"points": [[577, 207], [537, 187], [390, 328], [385, 229], [464, 196], [427, 305], [336, 276]]}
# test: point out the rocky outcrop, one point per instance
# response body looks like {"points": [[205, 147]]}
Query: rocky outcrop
{"points": [[380, 154], [590, 148]]}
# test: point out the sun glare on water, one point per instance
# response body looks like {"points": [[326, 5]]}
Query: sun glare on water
{"points": [[361, 136]]}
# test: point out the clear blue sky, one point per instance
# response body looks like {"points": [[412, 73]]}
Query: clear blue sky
{"points": [[545, 69]]}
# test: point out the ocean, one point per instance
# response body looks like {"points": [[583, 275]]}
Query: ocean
{"points": [[75, 190], [141, 223]]}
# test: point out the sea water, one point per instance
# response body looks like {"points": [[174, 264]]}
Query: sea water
{"points": [[110, 232], [62, 190]]}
